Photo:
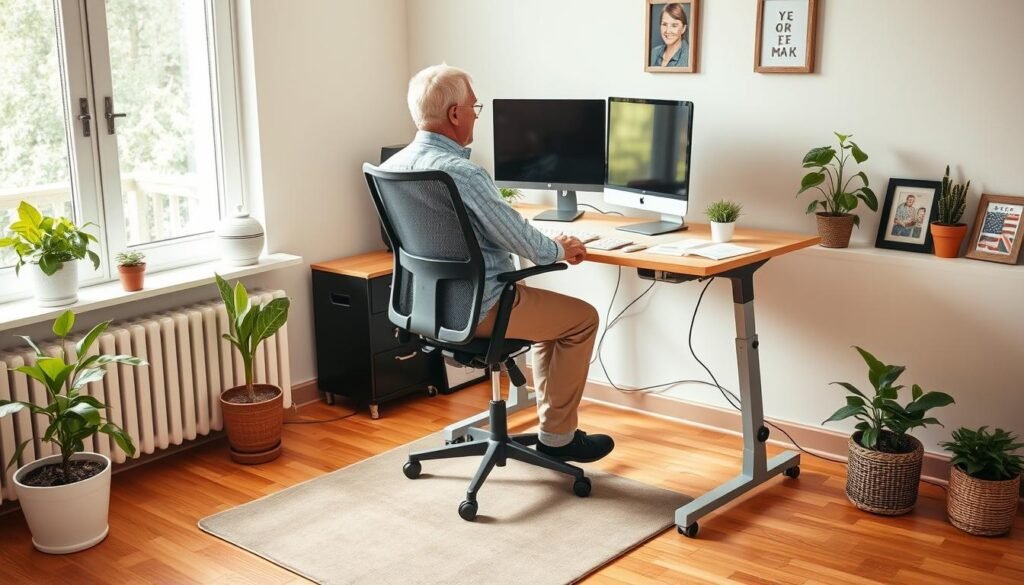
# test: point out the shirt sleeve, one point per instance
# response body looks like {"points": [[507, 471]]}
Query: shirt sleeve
{"points": [[503, 226]]}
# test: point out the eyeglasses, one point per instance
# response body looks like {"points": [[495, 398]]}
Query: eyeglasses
{"points": [[478, 108]]}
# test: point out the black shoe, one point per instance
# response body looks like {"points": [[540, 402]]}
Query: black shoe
{"points": [[583, 448]]}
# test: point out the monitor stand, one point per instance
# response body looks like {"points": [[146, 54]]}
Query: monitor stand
{"points": [[668, 224], [566, 210]]}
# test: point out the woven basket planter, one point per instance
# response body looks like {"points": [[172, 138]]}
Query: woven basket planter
{"points": [[884, 483], [254, 429], [981, 507], [835, 230]]}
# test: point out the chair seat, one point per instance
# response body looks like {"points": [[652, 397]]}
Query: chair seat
{"points": [[474, 352]]}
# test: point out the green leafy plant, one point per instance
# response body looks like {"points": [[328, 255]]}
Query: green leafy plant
{"points": [[47, 241], [723, 211], [952, 201], [510, 195], [130, 258], [830, 168], [883, 420], [73, 416], [985, 455], [250, 324]]}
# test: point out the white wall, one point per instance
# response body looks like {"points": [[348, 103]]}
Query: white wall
{"points": [[919, 82]]}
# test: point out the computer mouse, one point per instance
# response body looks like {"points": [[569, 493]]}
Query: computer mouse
{"points": [[634, 248]]}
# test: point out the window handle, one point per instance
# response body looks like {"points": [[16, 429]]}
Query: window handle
{"points": [[85, 117], [108, 106]]}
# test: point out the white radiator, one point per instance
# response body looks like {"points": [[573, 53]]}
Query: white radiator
{"points": [[173, 399]]}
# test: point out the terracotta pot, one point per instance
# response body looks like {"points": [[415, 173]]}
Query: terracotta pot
{"points": [[947, 239], [254, 430], [981, 507], [132, 276], [883, 483], [835, 230]]}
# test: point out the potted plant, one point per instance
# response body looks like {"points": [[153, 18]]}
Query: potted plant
{"points": [[65, 497], [510, 195], [835, 222], [948, 232], [984, 480], [51, 247], [723, 215], [131, 267], [885, 461], [253, 413]]}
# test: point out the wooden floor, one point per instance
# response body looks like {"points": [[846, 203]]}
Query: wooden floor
{"points": [[790, 531]]}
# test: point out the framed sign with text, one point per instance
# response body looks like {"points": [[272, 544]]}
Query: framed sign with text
{"points": [[785, 36]]}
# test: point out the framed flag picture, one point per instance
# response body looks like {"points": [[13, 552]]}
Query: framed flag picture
{"points": [[997, 236]]}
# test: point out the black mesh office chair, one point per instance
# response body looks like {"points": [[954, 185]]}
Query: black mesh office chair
{"points": [[436, 292]]}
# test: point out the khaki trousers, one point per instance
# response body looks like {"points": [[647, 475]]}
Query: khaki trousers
{"points": [[564, 329]]}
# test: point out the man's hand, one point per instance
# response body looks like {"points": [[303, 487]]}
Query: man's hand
{"points": [[575, 252]]}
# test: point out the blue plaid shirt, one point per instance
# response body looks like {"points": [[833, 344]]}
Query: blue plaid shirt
{"points": [[499, 229]]}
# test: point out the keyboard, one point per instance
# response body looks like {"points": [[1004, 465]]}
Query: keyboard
{"points": [[552, 231], [608, 243]]}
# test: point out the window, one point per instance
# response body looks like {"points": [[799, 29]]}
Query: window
{"points": [[121, 113]]}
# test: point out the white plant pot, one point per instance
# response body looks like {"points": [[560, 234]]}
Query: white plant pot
{"points": [[66, 518], [57, 290], [722, 232]]}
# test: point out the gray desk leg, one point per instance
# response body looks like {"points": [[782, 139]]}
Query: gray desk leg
{"points": [[757, 469], [519, 397]]}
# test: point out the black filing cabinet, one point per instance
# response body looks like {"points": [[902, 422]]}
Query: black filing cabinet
{"points": [[358, 350]]}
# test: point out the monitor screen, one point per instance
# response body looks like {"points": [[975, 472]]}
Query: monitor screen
{"points": [[649, 146], [554, 144]]}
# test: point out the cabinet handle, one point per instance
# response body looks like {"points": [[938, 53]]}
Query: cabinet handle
{"points": [[402, 358], [339, 299]]}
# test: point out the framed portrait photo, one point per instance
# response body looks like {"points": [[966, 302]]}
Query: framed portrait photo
{"points": [[670, 40], [786, 30], [996, 236], [910, 207]]}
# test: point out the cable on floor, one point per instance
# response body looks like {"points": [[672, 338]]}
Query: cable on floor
{"points": [[318, 421]]}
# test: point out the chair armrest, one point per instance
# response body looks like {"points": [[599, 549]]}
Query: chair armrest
{"points": [[517, 275]]}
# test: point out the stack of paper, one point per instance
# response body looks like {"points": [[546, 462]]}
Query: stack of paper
{"points": [[705, 248]]}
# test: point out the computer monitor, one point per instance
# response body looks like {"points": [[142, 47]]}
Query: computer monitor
{"points": [[550, 144], [649, 160]]}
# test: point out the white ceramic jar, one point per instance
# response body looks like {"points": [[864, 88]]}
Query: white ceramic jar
{"points": [[241, 239]]}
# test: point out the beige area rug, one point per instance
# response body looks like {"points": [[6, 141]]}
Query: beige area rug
{"points": [[369, 524]]}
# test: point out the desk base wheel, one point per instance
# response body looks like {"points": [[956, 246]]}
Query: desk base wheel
{"points": [[581, 487], [467, 510], [792, 472], [689, 531], [412, 469]]}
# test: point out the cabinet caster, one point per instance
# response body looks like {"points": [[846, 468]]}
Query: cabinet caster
{"points": [[412, 469], [689, 531], [467, 510], [581, 487], [792, 472], [374, 411], [431, 391]]}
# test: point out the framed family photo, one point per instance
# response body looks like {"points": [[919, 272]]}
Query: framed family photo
{"points": [[910, 207], [786, 31], [997, 231], [670, 39]]}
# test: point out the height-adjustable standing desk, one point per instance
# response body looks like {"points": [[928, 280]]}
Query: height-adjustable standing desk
{"points": [[757, 468]]}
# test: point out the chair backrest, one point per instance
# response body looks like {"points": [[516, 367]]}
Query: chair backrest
{"points": [[438, 282]]}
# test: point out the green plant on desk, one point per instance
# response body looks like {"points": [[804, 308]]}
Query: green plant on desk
{"points": [[829, 178], [723, 211], [510, 195], [883, 421]]}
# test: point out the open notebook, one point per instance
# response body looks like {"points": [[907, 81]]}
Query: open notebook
{"points": [[705, 248]]}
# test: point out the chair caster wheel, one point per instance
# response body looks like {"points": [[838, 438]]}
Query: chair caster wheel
{"points": [[412, 469], [431, 391], [792, 472], [581, 487], [689, 531], [467, 510]]}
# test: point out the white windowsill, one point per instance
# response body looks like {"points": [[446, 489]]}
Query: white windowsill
{"points": [[26, 312]]}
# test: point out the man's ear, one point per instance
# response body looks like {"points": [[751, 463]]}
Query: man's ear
{"points": [[453, 115]]}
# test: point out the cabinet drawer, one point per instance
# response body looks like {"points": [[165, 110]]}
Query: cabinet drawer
{"points": [[380, 294], [384, 333], [400, 367]]}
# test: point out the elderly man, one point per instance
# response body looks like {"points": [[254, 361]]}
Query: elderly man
{"points": [[444, 108]]}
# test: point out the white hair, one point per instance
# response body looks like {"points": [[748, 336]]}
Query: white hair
{"points": [[434, 90]]}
